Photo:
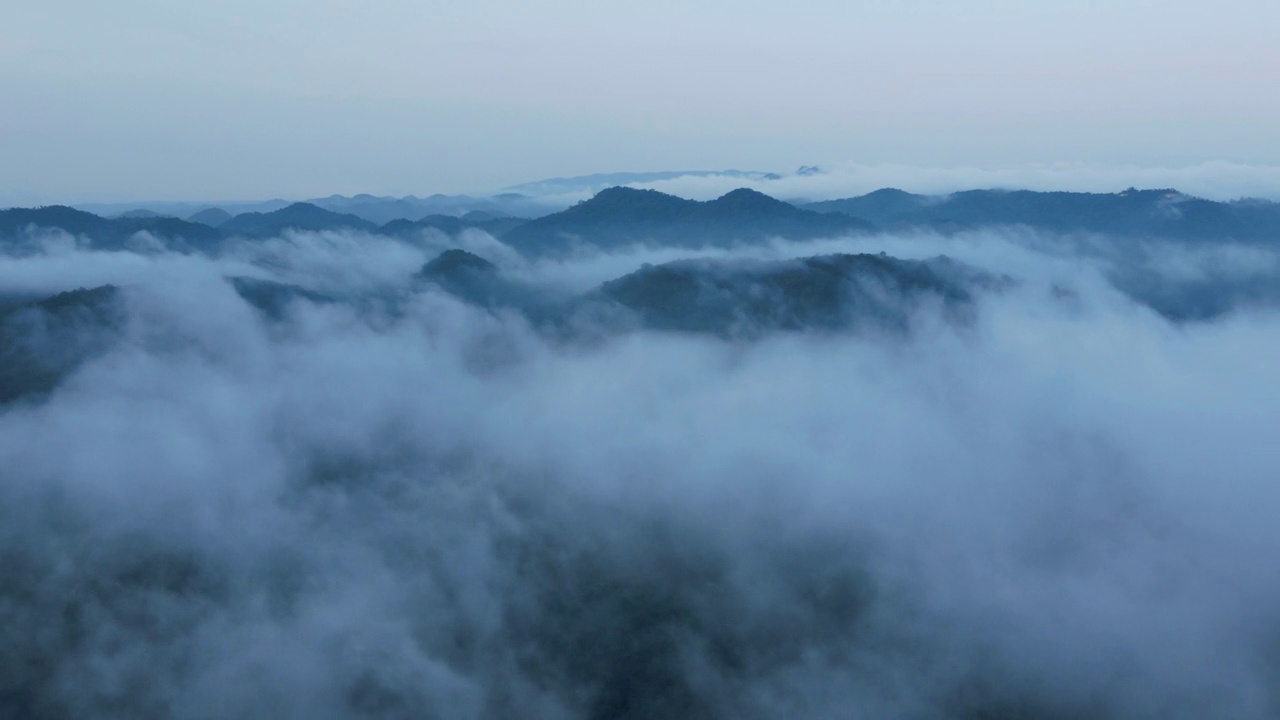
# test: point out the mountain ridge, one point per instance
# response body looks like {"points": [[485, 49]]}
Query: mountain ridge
{"points": [[622, 216], [736, 299], [1160, 212]]}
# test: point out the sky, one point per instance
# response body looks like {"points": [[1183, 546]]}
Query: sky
{"points": [[144, 99]]}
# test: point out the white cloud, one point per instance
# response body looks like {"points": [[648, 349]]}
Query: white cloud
{"points": [[1062, 509]]}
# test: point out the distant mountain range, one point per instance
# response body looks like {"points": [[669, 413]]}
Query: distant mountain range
{"points": [[381, 210], [622, 216], [298, 216], [1154, 213], [612, 218], [373, 209], [109, 233], [120, 233], [527, 200]]}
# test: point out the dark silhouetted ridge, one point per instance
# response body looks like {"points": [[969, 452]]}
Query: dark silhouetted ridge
{"points": [[76, 222], [1159, 213], [623, 203], [452, 262], [298, 216], [108, 233], [745, 201], [622, 216], [825, 292]]}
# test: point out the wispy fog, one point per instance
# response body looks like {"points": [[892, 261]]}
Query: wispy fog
{"points": [[388, 503]]}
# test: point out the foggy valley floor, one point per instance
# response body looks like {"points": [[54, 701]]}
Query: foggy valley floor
{"points": [[968, 473]]}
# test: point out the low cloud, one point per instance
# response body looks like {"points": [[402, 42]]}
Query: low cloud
{"points": [[418, 508]]}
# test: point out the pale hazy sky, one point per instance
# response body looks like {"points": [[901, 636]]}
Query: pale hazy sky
{"points": [[151, 99]]}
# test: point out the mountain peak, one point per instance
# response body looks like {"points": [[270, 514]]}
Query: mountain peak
{"points": [[747, 195], [752, 201], [298, 207], [629, 203], [621, 215], [630, 195], [212, 216], [298, 216], [452, 262]]}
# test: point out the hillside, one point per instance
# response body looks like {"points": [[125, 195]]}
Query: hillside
{"points": [[44, 341]]}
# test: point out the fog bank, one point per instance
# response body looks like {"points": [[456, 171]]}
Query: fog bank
{"points": [[394, 504]]}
